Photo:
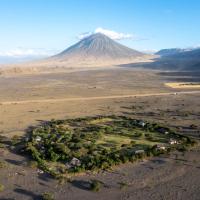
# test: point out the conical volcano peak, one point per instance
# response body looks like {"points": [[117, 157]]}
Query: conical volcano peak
{"points": [[98, 36], [97, 40], [97, 48]]}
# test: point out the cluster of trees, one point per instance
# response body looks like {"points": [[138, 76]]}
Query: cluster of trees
{"points": [[63, 140]]}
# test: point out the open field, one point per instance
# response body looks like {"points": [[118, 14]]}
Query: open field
{"points": [[174, 176]]}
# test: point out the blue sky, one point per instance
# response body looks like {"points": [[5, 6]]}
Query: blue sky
{"points": [[48, 26]]}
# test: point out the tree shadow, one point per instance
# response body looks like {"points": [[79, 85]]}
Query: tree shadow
{"points": [[7, 199], [45, 177], [81, 184], [158, 161], [28, 193], [14, 162]]}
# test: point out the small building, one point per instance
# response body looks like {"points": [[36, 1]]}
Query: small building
{"points": [[160, 147], [141, 123], [38, 139], [75, 162], [173, 141]]}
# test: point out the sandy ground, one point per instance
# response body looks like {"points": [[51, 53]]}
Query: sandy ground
{"points": [[169, 177]]}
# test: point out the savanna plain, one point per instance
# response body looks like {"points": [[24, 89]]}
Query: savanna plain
{"points": [[30, 100]]}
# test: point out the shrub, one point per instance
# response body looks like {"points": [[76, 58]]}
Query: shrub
{"points": [[146, 134], [133, 142], [150, 138], [47, 196], [15, 140], [32, 164], [95, 185], [193, 126], [2, 164], [138, 134], [2, 188], [108, 129], [182, 148], [123, 185]]}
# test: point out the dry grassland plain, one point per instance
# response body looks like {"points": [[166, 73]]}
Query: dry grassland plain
{"points": [[175, 176], [183, 85]]}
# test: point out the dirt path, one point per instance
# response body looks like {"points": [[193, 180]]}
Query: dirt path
{"points": [[96, 98]]}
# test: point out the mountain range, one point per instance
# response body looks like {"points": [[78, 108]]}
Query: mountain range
{"points": [[179, 59], [169, 52]]}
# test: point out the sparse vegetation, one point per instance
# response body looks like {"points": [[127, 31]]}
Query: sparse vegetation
{"points": [[32, 164], [15, 139], [2, 164], [123, 185], [2, 188]]}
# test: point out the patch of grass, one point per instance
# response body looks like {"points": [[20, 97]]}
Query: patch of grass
{"points": [[47, 196], [123, 185], [2, 188], [100, 120]]}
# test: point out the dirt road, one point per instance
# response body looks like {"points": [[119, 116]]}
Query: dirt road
{"points": [[96, 98]]}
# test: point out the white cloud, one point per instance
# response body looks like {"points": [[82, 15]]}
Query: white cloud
{"points": [[26, 52], [84, 35], [112, 34]]}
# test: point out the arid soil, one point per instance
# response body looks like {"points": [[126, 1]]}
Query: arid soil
{"points": [[175, 176]]}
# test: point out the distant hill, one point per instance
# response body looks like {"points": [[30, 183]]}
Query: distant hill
{"points": [[169, 52], [173, 60], [186, 60]]}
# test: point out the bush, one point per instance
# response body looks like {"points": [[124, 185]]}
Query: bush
{"points": [[32, 164], [123, 185], [2, 188], [133, 142], [2, 164], [146, 134], [193, 126], [15, 140], [95, 185], [47, 196], [138, 134]]}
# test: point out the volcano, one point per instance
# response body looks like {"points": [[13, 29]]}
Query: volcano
{"points": [[97, 49]]}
